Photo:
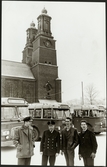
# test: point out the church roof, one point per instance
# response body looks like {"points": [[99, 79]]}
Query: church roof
{"points": [[16, 69]]}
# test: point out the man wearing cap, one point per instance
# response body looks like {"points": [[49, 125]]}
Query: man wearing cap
{"points": [[24, 143], [69, 142], [87, 145], [50, 144]]}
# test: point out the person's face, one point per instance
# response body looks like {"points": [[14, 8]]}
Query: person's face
{"points": [[51, 127], [27, 123], [68, 123], [84, 126]]}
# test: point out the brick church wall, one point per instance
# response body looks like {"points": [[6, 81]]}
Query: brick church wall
{"points": [[12, 87]]}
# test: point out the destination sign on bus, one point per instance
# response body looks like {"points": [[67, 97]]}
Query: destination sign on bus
{"points": [[18, 101]]}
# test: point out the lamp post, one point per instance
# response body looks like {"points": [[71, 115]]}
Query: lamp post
{"points": [[82, 94]]}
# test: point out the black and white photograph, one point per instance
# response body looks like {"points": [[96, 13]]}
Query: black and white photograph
{"points": [[53, 83]]}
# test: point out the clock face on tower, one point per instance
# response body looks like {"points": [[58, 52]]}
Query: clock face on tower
{"points": [[47, 43]]}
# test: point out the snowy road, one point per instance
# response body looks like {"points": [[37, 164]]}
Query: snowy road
{"points": [[8, 154]]}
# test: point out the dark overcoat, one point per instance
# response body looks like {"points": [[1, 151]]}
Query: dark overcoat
{"points": [[24, 142], [50, 143], [87, 143]]}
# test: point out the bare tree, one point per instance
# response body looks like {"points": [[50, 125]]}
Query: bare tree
{"points": [[90, 94]]}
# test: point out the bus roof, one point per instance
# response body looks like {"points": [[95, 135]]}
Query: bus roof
{"points": [[85, 107], [50, 105]]}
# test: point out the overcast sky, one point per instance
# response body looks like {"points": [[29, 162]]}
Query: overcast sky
{"points": [[79, 31]]}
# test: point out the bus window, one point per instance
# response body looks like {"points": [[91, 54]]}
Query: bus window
{"points": [[94, 113], [80, 113], [8, 113], [98, 113], [101, 113], [85, 113], [46, 113], [23, 112], [91, 113], [67, 113], [37, 113], [75, 113], [59, 114], [55, 114], [31, 112]]}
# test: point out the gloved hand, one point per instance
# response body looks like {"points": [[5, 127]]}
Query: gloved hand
{"points": [[92, 155], [15, 143], [57, 154], [41, 152], [61, 152], [80, 156]]}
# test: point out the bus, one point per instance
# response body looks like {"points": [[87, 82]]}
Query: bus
{"points": [[42, 113], [94, 115], [13, 110]]}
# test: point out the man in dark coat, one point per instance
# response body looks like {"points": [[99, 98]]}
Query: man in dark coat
{"points": [[24, 142], [69, 142], [50, 144], [87, 145]]}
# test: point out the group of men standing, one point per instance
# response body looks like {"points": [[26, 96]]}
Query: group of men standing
{"points": [[53, 143]]}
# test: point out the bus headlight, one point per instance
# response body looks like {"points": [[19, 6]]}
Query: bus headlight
{"points": [[5, 133], [7, 137], [101, 124]]}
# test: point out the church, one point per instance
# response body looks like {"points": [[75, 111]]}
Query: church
{"points": [[36, 77]]}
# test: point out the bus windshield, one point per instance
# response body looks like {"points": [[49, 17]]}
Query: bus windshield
{"points": [[8, 113], [11, 112]]}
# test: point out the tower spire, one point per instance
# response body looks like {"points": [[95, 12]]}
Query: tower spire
{"points": [[44, 26]]}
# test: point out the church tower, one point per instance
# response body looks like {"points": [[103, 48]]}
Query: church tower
{"points": [[40, 55], [27, 53]]}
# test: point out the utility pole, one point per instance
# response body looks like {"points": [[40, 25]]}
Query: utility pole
{"points": [[82, 94]]}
